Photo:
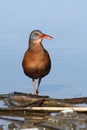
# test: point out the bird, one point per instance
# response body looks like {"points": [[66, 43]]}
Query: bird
{"points": [[36, 61]]}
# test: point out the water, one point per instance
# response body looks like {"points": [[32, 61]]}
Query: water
{"points": [[68, 49], [66, 21], [68, 72]]}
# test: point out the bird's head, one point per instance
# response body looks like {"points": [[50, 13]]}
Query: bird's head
{"points": [[37, 36]]}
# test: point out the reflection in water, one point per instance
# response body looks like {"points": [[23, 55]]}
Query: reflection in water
{"points": [[57, 122]]}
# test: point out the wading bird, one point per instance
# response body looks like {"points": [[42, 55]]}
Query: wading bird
{"points": [[36, 62]]}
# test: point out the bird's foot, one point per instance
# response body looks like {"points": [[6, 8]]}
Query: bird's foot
{"points": [[36, 92]]}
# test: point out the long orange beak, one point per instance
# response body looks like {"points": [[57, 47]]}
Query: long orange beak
{"points": [[46, 36]]}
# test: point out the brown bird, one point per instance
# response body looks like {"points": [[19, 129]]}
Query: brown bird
{"points": [[36, 62]]}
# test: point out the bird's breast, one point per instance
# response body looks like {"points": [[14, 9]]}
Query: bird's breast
{"points": [[36, 64]]}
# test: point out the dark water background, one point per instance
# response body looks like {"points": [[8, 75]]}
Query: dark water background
{"points": [[66, 21]]}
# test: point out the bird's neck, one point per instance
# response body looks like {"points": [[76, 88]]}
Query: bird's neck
{"points": [[36, 48], [37, 44]]}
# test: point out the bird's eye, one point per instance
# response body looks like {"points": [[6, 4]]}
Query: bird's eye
{"points": [[36, 34]]}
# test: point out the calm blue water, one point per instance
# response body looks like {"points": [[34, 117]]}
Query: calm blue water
{"points": [[66, 21]]}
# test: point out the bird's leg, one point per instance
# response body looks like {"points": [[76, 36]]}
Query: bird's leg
{"points": [[39, 80], [35, 87]]}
